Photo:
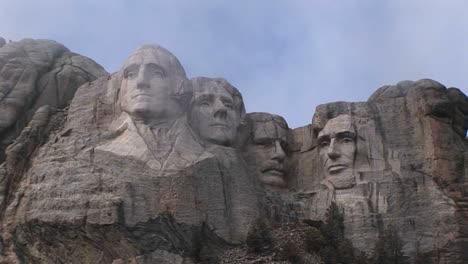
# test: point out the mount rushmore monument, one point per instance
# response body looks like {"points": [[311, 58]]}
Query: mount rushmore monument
{"points": [[147, 165]]}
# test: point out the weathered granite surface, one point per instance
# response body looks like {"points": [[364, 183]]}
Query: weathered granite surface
{"points": [[398, 159], [148, 166], [34, 73], [129, 161]]}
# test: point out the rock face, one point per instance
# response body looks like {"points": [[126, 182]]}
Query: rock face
{"points": [[34, 73], [148, 166], [398, 159]]}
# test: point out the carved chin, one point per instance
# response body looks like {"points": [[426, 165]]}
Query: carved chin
{"points": [[273, 178], [343, 181], [220, 136], [140, 109], [219, 140]]}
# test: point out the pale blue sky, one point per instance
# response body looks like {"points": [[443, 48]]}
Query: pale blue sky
{"points": [[285, 57]]}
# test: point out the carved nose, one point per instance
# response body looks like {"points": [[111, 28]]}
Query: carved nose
{"points": [[143, 79], [142, 85], [220, 110], [279, 154], [332, 152]]}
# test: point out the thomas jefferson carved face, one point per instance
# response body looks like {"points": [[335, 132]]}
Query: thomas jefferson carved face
{"points": [[337, 146], [215, 112], [151, 76], [269, 148]]}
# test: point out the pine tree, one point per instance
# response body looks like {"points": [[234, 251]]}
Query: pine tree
{"points": [[337, 249], [388, 249], [334, 223]]}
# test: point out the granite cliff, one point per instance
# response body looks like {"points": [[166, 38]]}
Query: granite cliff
{"points": [[146, 165]]}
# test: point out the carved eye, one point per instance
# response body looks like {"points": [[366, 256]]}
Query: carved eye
{"points": [[229, 106], [324, 143], [264, 143], [157, 73], [132, 74], [347, 140], [285, 146], [204, 103]]}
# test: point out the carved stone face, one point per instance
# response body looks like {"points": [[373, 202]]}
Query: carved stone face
{"points": [[337, 146], [269, 150], [213, 114], [151, 76]]}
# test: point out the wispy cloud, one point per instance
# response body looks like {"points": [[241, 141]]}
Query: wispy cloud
{"points": [[285, 56]]}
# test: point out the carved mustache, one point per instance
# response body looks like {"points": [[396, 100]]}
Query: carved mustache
{"points": [[271, 165]]}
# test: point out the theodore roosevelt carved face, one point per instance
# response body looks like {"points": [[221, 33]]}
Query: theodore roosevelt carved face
{"points": [[269, 148], [151, 78], [215, 111]]}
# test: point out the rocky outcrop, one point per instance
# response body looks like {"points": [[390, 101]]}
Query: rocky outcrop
{"points": [[34, 73], [139, 169], [398, 159], [149, 166]]}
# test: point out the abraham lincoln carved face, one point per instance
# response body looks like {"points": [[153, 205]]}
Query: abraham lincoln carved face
{"points": [[337, 147]]}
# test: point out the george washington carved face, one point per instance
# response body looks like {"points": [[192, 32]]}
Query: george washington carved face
{"points": [[151, 76]]}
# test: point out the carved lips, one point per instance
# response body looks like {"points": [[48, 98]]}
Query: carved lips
{"points": [[336, 168], [273, 168], [220, 125], [142, 94], [275, 172]]}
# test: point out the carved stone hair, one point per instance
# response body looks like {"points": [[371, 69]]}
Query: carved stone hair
{"points": [[164, 56], [323, 113], [182, 92], [260, 117], [198, 83]]}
